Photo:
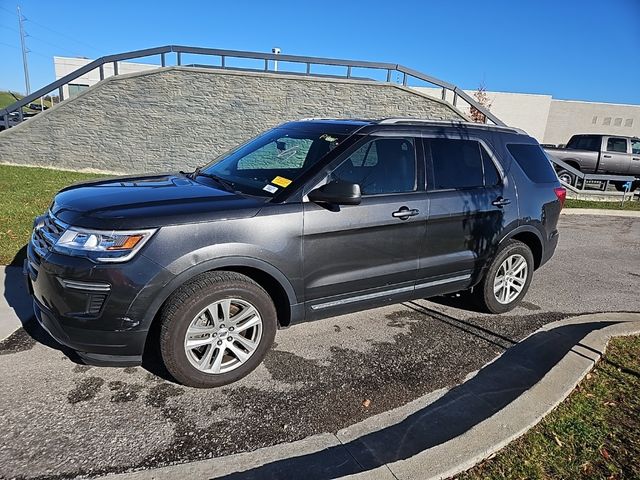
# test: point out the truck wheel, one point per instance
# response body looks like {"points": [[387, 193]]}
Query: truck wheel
{"points": [[216, 329], [566, 176], [507, 280]]}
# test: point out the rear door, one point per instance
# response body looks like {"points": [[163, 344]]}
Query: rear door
{"points": [[364, 253], [470, 200], [615, 158]]}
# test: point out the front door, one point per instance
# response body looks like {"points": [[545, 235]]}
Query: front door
{"points": [[634, 168], [615, 159], [468, 205], [354, 255]]}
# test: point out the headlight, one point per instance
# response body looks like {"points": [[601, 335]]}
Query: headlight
{"points": [[102, 246]]}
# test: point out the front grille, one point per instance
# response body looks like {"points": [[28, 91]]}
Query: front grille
{"points": [[47, 234]]}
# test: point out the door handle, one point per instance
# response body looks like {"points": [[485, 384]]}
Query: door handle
{"points": [[501, 202], [404, 213], [606, 156]]}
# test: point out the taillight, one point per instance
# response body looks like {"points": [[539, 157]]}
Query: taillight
{"points": [[561, 193]]}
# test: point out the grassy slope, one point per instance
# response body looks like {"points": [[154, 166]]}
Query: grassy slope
{"points": [[25, 193], [7, 99], [595, 433]]}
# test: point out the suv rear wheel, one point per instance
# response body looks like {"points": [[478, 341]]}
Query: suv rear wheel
{"points": [[216, 329], [507, 279]]}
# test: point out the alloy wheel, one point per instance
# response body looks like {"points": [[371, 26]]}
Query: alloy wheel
{"points": [[223, 336], [510, 278]]}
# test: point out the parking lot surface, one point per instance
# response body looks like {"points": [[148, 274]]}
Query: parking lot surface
{"points": [[62, 419]]}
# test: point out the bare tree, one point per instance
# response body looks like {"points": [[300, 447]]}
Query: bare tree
{"points": [[483, 99]]}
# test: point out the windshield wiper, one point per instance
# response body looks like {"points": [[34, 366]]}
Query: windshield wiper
{"points": [[227, 184]]}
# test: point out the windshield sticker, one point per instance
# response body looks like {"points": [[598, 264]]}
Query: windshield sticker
{"points": [[270, 188], [281, 181]]}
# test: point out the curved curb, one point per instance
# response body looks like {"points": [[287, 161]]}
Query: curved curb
{"points": [[601, 212], [516, 391]]}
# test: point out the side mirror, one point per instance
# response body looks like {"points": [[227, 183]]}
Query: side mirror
{"points": [[337, 193]]}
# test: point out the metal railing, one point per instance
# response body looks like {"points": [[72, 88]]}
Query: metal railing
{"points": [[404, 73]]}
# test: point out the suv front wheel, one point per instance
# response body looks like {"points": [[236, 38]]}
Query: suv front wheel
{"points": [[507, 279], [216, 329]]}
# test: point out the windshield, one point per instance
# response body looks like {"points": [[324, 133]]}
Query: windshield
{"points": [[271, 162]]}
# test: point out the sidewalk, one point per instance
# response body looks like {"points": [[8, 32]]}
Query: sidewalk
{"points": [[442, 433]]}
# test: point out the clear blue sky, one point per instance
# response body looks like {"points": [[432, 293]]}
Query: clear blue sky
{"points": [[572, 49]]}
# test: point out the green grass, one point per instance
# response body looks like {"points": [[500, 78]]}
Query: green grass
{"points": [[595, 433], [26, 193], [628, 205], [7, 99]]}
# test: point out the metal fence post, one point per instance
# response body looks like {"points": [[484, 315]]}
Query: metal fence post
{"points": [[163, 60], [60, 94], [455, 98], [101, 72], [266, 65], [389, 75], [308, 68], [444, 94], [222, 61], [178, 58], [115, 68], [349, 71], [404, 79]]}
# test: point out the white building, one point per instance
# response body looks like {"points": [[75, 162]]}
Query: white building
{"points": [[541, 116], [554, 121]]}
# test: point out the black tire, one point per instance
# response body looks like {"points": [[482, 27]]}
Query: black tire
{"points": [[190, 299], [483, 293], [566, 176]]}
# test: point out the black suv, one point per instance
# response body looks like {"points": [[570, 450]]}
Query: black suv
{"points": [[309, 220]]}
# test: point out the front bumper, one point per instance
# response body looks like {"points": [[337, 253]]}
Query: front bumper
{"points": [[100, 311]]}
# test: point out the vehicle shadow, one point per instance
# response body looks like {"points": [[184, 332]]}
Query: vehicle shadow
{"points": [[492, 389], [16, 294]]}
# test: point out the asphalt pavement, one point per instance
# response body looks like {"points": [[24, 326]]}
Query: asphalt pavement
{"points": [[62, 419]]}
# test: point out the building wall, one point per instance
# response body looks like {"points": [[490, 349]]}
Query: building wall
{"points": [[178, 118], [567, 118], [554, 121], [522, 110]]}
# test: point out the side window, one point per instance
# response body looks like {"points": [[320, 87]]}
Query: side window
{"points": [[618, 145], [456, 164], [635, 147], [491, 175], [381, 166]]}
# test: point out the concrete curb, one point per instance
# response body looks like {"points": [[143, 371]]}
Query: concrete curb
{"points": [[602, 212], [501, 388]]}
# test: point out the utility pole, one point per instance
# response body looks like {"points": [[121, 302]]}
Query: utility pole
{"points": [[24, 51]]}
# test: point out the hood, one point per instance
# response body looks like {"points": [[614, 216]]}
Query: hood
{"points": [[149, 201]]}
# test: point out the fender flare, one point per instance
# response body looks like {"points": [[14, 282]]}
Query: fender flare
{"points": [[216, 264], [525, 229]]}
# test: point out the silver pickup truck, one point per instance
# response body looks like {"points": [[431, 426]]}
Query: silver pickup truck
{"points": [[605, 154]]}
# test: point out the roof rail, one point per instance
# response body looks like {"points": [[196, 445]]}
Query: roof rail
{"points": [[452, 123], [263, 64]]}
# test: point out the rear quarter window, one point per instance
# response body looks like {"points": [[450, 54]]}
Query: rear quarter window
{"points": [[533, 161]]}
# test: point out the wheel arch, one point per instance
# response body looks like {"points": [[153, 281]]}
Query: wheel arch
{"points": [[263, 273], [532, 238]]}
